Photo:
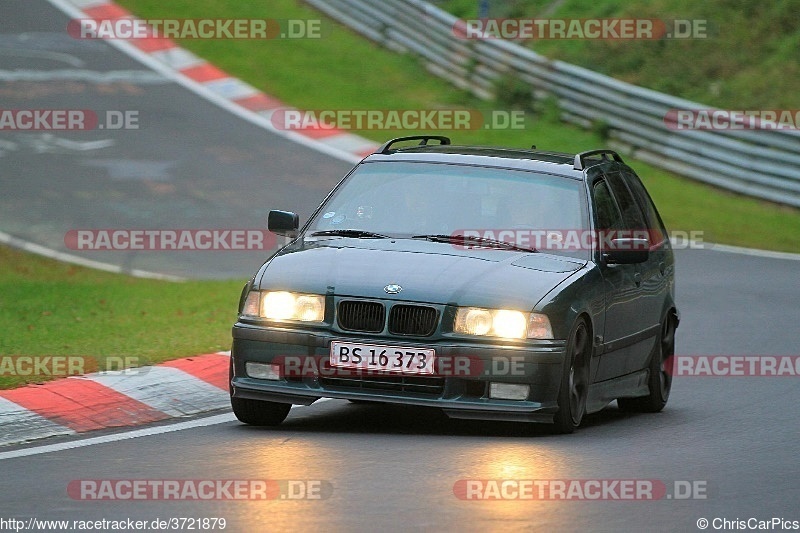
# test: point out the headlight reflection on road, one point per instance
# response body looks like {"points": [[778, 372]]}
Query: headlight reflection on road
{"points": [[307, 476], [510, 463]]}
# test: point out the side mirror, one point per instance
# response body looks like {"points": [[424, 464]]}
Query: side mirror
{"points": [[283, 223], [627, 252]]}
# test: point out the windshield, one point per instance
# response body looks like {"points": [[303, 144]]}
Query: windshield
{"points": [[402, 199]]}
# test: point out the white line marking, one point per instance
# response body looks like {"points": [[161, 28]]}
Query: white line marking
{"points": [[135, 77], [116, 437], [69, 59], [728, 249], [145, 432], [85, 4], [37, 249]]}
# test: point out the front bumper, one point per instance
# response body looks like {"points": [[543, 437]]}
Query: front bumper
{"points": [[461, 394]]}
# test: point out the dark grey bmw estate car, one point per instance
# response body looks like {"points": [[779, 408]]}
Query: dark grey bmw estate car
{"points": [[498, 284]]}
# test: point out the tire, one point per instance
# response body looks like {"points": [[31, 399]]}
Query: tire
{"points": [[259, 413], [659, 378], [575, 382], [256, 412]]}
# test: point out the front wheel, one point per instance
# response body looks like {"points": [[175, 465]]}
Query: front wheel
{"points": [[259, 413], [575, 381], [256, 412]]}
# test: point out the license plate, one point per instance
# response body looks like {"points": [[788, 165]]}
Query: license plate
{"points": [[382, 358]]}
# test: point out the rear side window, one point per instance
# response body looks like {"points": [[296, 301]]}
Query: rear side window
{"points": [[658, 232], [631, 213], [607, 215]]}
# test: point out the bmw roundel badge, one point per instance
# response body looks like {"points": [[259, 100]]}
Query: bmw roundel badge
{"points": [[393, 288]]}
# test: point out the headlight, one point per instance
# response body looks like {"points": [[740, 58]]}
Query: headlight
{"points": [[502, 323], [282, 305]]}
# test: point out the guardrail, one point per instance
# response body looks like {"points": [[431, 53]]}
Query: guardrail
{"points": [[761, 163]]}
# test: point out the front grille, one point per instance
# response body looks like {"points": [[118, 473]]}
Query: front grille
{"points": [[412, 320], [388, 383], [361, 316]]}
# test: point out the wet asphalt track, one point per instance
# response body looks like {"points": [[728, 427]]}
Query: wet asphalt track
{"points": [[194, 165], [189, 165]]}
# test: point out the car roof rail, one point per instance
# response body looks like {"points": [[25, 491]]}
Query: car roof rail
{"points": [[581, 157], [387, 146]]}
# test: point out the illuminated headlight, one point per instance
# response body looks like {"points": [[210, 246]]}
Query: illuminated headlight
{"points": [[502, 323], [282, 305]]}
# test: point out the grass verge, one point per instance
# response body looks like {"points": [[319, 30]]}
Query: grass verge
{"points": [[48, 308], [743, 56]]}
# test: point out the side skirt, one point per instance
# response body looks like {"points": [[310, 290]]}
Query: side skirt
{"points": [[628, 386]]}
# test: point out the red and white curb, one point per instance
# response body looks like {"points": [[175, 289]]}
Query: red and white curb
{"points": [[215, 85], [133, 397]]}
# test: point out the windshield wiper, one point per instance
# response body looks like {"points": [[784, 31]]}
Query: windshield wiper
{"points": [[462, 239], [354, 233]]}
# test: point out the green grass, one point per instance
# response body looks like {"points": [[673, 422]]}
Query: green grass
{"points": [[749, 59], [344, 71], [52, 308]]}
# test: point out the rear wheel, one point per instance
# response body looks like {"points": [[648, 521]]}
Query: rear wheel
{"points": [[575, 381], [256, 412], [659, 378]]}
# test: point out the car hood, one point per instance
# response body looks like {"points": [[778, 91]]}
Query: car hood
{"points": [[427, 272]]}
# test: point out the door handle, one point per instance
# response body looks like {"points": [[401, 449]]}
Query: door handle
{"points": [[637, 278]]}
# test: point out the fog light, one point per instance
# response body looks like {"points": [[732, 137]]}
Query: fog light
{"points": [[263, 371], [509, 391]]}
